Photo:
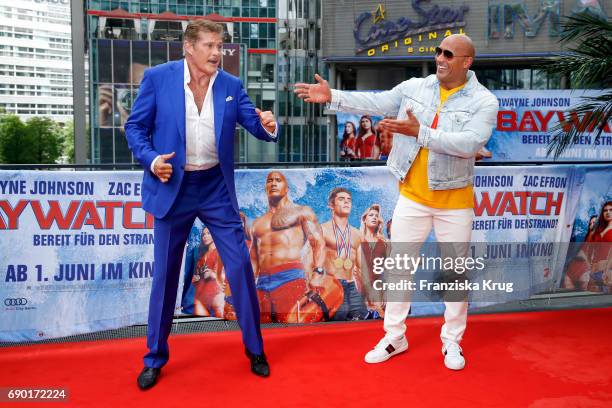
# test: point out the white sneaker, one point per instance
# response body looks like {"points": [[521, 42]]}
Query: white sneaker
{"points": [[453, 356], [385, 349]]}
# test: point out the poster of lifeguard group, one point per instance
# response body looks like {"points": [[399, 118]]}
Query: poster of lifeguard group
{"points": [[77, 249]]}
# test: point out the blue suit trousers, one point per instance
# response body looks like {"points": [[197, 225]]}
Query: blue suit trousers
{"points": [[202, 194]]}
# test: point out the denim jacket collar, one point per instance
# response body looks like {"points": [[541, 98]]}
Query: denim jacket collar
{"points": [[468, 90]]}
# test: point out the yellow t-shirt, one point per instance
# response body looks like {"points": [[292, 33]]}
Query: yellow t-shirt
{"points": [[416, 186]]}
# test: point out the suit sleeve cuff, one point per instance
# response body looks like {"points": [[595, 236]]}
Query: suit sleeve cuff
{"points": [[272, 135]]}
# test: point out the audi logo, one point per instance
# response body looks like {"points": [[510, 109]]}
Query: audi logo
{"points": [[15, 302]]}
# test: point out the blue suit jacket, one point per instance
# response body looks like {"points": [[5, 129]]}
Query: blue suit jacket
{"points": [[157, 126]]}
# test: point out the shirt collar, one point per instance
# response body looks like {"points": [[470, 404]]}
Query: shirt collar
{"points": [[187, 75]]}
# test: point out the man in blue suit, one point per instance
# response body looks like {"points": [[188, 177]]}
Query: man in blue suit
{"points": [[181, 130]]}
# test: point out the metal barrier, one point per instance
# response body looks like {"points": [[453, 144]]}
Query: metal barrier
{"points": [[260, 165]]}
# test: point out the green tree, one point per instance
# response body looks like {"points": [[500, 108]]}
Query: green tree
{"points": [[68, 146], [39, 140], [15, 144], [588, 64], [47, 137]]}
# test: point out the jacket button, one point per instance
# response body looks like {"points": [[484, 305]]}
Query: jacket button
{"points": [[182, 167]]}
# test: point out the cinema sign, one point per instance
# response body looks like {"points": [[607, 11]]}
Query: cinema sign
{"points": [[376, 34]]}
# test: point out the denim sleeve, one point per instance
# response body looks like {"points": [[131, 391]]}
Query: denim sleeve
{"points": [[385, 103]]}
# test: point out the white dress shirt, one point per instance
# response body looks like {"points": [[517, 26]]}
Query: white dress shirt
{"points": [[201, 147]]}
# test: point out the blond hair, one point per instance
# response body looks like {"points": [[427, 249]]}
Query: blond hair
{"points": [[381, 221], [195, 27]]}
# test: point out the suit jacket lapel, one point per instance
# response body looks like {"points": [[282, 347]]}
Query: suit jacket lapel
{"points": [[219, 94], [177, 84]]}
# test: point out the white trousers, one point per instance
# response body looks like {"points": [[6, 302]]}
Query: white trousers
{"points": [[412, 222]]}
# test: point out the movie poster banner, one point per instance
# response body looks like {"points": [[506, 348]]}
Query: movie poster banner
{"points": [[525, 122], [523, 220], [77, 253], [78, 249], [526, 119], [521, 216], [361, 139]]}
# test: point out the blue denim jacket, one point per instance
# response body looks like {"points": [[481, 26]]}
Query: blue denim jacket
{"points": [[464, 126]]}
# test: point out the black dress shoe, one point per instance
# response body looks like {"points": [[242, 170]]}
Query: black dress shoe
{"points": [[259, 364], [148, 377]]}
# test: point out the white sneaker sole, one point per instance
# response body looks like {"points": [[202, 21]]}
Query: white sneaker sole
{"points": [[388, 356], [453, 367]]}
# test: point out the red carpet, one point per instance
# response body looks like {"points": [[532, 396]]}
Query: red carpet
{"points": [[541, 359]]}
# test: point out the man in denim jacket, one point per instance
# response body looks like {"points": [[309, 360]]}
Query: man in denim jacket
{"points": [[443, 121]]}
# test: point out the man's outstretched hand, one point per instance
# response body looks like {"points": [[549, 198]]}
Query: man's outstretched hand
{"points": [[315, 93], [267, 120]]}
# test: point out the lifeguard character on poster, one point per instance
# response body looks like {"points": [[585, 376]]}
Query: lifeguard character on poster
{"points": [[343, 255], [348, 142], [374, 245], [209, 298], [367, 146], [591, 268], [288, 259], [598, 252]]}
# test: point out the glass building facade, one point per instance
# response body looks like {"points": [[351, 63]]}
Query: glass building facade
{"points": [[278, 43], [299, 58], [36, 59]]}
